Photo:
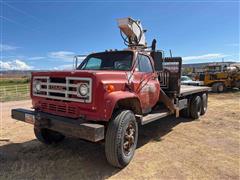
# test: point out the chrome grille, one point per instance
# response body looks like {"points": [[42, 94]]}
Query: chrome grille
{"points": [[63, 90]]}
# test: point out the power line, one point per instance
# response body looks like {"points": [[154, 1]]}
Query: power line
{"points": [[20, 11], [17, 23]]}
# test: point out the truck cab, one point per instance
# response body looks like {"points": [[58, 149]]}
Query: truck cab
{"points": [[126, 63], [99, 84]]}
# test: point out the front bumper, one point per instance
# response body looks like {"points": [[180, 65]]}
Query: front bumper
{"points": [[68, 126]]}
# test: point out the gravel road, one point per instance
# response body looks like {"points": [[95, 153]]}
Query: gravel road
{"points": [[170, 148]]}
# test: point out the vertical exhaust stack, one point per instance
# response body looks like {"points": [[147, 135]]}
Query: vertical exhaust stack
{"points": [[133, 31]]}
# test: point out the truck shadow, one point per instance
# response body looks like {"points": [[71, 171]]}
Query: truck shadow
{"points": [[156, 130], [72, 159]]}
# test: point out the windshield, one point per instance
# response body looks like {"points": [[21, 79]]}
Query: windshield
{"points": [[115, 60], [186, 78], [214, 68]]}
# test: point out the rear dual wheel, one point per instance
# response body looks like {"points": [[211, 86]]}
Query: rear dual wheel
{"points": [[204, 98], [197, 107]]}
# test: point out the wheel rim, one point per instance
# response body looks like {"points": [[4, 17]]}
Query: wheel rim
{"points": [[220, 88], [204, 106], [199, 109], [204, 102], [129, 139]]}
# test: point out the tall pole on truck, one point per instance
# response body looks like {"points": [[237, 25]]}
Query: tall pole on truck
{"points": [[170, 51]]}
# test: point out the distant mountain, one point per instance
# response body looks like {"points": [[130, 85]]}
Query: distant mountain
{"points": [[20, 73], [201, 65]]}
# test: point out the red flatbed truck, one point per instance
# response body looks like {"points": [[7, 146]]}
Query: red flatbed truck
{"points": [[110, 94]]}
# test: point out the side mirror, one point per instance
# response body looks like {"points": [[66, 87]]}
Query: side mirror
{"points": [[77, 60]]}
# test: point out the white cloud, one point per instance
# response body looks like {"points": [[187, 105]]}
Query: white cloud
{"points": [[231, 60], [204, 57], [64, 55], [233, 44], [64, 67], [14, 65], [70, 66], [36, 58], [6, 47]]}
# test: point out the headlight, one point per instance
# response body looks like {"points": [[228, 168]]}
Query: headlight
{"points": [[83, 90], [37, 86]]}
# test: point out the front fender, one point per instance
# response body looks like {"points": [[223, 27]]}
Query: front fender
{"points": [[111, 99]]}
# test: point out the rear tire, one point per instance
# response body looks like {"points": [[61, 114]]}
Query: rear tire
{"points": [[121, 138], [204, 103], [48, 136], [238, 84], [195, 107], [221, 88], [218, 87]]}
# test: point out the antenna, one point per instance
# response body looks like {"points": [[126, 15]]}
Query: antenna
{"points": [[154, 45], [170, 51]]}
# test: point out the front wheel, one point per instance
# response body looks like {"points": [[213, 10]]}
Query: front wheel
{"points": [[48, 136], [121, 138]]}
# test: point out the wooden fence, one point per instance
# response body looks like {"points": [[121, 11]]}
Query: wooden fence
{"points": [[14, 92]]}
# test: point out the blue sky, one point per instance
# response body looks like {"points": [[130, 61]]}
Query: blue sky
{"points": [[47, 34]]}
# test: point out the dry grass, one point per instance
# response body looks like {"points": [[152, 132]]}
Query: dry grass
{"points": [[168, 149]]}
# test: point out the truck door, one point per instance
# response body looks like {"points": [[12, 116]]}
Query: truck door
{"points": [[146, 84]]}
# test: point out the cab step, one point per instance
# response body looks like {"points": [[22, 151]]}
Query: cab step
{"points": [[155, 115]]}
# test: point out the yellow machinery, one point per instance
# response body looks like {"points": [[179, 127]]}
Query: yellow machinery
{"points": [[220, 77]]}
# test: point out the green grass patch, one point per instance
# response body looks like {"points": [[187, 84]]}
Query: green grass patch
{"points": [[9, 81]]}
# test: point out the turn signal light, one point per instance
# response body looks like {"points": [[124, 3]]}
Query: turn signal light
{"points": [[110, 88]]}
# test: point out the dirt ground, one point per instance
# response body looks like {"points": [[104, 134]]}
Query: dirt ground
{"points": [[170, 148]]}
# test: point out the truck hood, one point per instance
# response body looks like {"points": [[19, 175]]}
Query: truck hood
{"points": [[61, 73], [104, 76]]}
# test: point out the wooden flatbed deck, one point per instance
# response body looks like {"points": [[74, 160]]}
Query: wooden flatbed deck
{"points": [[187, 90]]}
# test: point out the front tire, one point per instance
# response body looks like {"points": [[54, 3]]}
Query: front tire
{"points": [[48, 136], [121, 138]]}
